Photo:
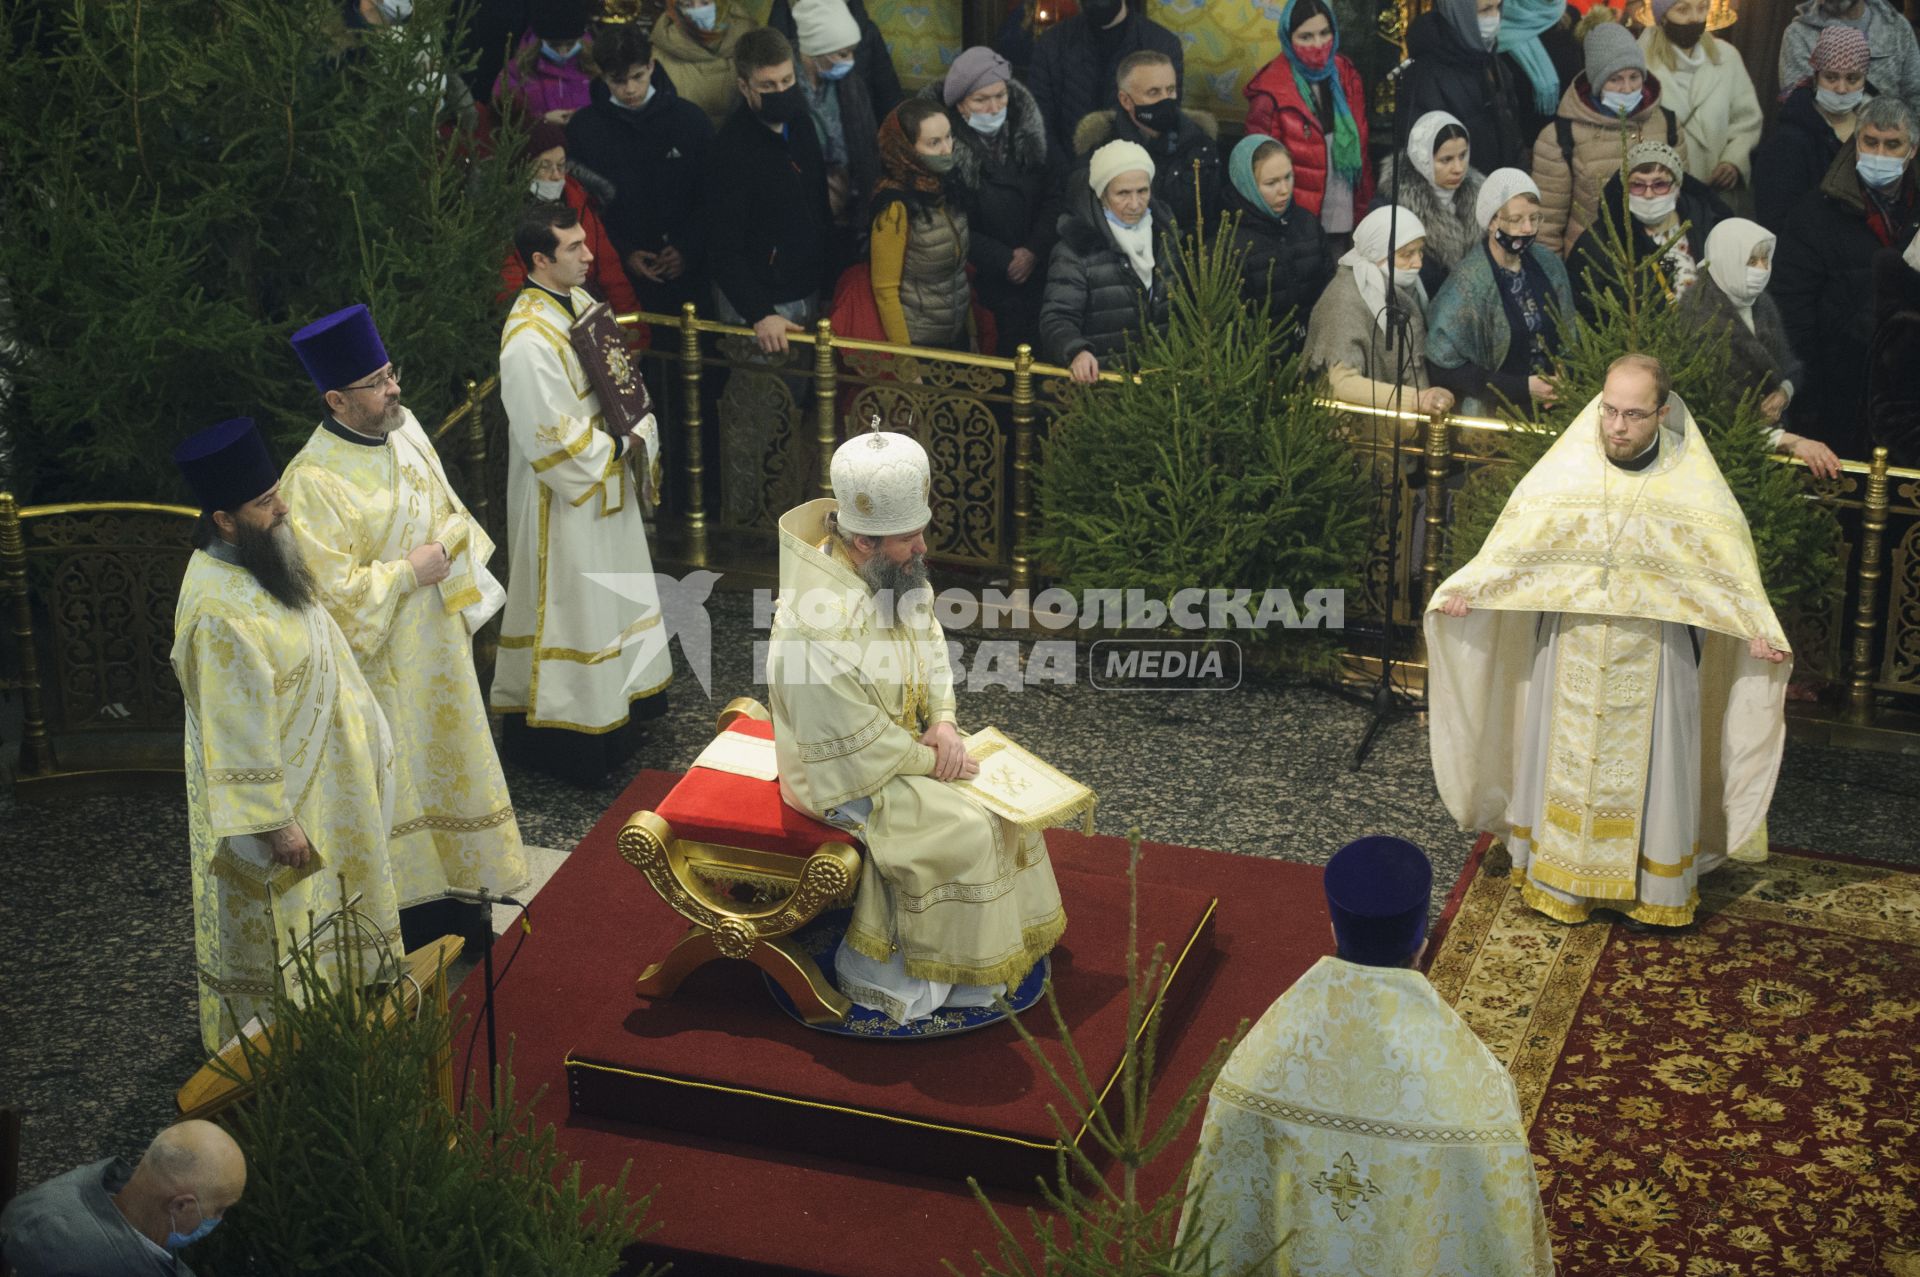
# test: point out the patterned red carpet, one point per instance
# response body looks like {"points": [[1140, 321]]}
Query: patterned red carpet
{"points": [[1742, 1099]]}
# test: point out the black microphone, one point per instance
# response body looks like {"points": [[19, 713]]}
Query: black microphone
{"points": [[482, 897], [1398, 71]]}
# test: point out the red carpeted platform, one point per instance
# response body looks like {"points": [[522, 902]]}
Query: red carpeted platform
{"points": [[727, 1207]]}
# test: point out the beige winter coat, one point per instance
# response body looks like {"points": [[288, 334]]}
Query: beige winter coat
{"points": [[701, 74], [1718, 111], [1568, 199]]}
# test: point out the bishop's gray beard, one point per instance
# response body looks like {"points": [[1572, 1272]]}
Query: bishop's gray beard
{"points": [[270, 555], [899, 588]]}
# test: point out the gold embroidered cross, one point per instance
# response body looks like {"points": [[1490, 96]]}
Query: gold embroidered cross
{"points": [[1345, 1186]]}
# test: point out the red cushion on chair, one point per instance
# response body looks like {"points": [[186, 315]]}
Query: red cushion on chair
{"points": [[739, 811]]}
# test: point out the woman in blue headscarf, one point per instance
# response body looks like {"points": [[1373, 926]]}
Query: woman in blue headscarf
{"points": [[1285, 259], [1311, 98]]}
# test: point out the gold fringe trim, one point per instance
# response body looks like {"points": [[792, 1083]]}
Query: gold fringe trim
{"points": [[1559, 910], [1666, 915], [1574, 884], [1035, 941]]}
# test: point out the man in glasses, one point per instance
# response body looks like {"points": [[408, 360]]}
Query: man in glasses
{"points": [[1607, 679], [401, 564]]}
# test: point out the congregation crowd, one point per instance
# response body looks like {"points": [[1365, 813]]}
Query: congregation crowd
{"points": [[778, 174]]}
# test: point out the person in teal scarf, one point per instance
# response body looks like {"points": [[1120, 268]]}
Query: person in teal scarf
{"points": [[1312, 100], [1535, 35], [1284, 258]]}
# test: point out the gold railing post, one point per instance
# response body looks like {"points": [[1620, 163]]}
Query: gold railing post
{"points": [[696, 469], [1020, 571], [478, 502], [36, 750], [1439, 446], [1873, 528], [826, 392]]}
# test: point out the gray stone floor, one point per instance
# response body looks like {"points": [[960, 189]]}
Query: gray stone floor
{"points": [[97, 1021]]}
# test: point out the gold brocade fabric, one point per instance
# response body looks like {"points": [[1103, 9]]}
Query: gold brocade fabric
{"points": [[962, 895], [1363, 1115], [453, 818]]}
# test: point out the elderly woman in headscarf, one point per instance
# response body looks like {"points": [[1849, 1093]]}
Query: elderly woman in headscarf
{"points": [[1494, 329], [1457, 69], [1729, 304], [1347, 335], [1658, 200], [1311, 98], [917, 251], [1439, 183], [1102, 275], [1286, 260]]}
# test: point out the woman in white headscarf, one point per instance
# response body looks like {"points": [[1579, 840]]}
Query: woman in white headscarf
{"points": [[1347, 335], [1104, 271], [1439, 184], [1729, 303]]}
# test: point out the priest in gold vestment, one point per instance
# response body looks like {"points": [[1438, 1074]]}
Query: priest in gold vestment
{"points": [[1607, 678], [401, 565], [953, 903], [1361, 1129], [288, 762]]}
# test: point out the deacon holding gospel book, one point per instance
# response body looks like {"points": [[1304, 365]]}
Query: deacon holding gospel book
{"points": [[954, 903], [583, 655]]}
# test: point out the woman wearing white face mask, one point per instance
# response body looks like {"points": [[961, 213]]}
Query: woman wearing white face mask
{"points": [[1003, 176], [1609, 106], [693, 42], [1347, 334], [1815, 120], [1731, 306], [1658, 201], [1440, 184], [546, 155]]}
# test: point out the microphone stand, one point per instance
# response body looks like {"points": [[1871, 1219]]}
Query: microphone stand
{"points": [[487, 899], [1399, 341]]}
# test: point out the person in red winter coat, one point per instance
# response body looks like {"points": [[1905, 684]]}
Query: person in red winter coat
{"points": [[606, 278], [1311, 98]]}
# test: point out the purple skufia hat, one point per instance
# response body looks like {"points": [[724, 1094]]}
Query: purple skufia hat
{"points": [[227, 465], [1377, 890], [341, 348]]}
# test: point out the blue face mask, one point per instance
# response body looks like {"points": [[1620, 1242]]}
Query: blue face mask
{"points": [[180, 1241], [1622, 103], [837, 70], [981, 122], [1879, 171], [702, 15], [1119, 221], [556, 55]]}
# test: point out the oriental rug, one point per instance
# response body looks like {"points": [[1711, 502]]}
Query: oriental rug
{"points": [[1742, 1098]]}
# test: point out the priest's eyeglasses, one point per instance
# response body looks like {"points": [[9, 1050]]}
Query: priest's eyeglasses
{"points": [[1633, 415], [379, 380]]}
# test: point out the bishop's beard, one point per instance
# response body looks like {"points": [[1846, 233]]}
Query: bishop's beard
{"points": [[899, 588], [270, 555]]}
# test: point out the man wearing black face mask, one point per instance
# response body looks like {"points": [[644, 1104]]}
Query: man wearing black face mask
{"points": [[767, 213], [1186, 159], [1074, 64]]}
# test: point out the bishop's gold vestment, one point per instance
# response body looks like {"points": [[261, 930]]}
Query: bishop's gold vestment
{"points": [[1572, 712], [357, 508], [965, 897], [280, 727], [1363, 1115]]}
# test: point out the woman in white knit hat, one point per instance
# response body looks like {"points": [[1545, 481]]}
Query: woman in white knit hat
{"points": [[1347, 335], [843, 114], [1107, 268]]}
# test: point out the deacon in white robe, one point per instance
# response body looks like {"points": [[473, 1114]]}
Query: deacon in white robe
{"points": [[583, 653], [1607, 678], [289, 765], [401, 565], [954, 903], [1361, 1129]]}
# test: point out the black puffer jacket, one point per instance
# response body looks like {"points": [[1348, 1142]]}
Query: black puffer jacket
{"points": [[1471, 84], [1074, 64], [1094, 300], [872, 60], [1288, 262], [1590, 269], [1177, 157], [1791, 160]]}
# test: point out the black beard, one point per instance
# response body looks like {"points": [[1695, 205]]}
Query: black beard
{"points": [[898, 588], [275, 564]]}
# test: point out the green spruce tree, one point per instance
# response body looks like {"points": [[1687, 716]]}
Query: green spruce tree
{"points": [[1214, 468], [1796, 539], [187, 183]]}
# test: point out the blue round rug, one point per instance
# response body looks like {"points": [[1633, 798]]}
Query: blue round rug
{"points": [[821, 938]]}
